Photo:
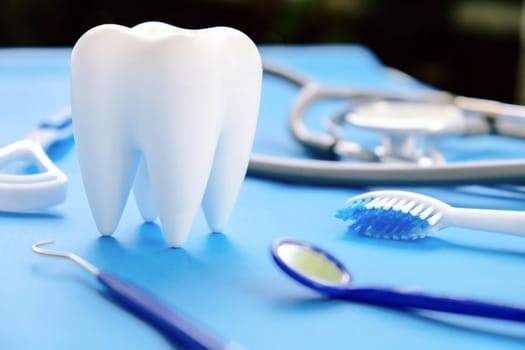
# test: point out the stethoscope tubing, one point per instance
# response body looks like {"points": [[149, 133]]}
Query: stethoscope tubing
{"points": [[328, 172], [324, 172]]}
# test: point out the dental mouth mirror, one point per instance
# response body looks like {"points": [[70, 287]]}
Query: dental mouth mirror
{"points": [[165, 319], [316, 269]]}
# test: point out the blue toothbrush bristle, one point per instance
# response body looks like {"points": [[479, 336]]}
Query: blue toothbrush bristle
{"points": [[379, 222]]}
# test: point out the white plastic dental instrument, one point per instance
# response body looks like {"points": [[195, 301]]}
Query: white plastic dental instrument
{"points": [[407, 123], [403, 215], [48, 187], [180, 106]]}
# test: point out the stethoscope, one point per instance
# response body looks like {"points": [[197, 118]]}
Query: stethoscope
{"points": [[407, 123], [317, 269]]}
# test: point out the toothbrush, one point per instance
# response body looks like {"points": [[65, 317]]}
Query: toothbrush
{"points": [[402, 215]]}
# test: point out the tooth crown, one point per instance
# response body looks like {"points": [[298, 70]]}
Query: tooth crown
{"points": [[178, 105]]}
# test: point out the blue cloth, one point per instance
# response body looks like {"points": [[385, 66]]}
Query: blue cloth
{"points": [[229, 282]]}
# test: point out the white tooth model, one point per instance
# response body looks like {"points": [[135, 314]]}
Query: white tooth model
{"points": [[180, 106]]}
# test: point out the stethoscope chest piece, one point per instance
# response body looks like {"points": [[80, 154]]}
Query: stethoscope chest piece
{"points": [[406, 127]]}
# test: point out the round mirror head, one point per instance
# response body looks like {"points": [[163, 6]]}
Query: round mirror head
{"points": [[309, 265]]}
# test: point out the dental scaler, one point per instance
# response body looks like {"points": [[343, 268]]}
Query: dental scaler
{"points": [[174, 325]]}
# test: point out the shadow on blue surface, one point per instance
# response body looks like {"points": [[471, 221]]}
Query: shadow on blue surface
{"points": [[48, 270], [174, 267], [429, 244], [513, 194], [45, 215], [501, 330]]}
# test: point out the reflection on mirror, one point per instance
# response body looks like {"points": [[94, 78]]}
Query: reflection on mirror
{"points": [[312, 264]]}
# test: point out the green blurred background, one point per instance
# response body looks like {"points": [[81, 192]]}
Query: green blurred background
{"points": [[471, 47]]}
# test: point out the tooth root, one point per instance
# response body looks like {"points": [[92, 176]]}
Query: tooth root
{"points": [[179, 148], [179, 179], [233, 151], [144, 193], [108, 168], [107, 160], [229, 169]]}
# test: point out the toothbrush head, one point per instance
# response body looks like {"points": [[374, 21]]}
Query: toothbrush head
{"points": [[396, 215]]}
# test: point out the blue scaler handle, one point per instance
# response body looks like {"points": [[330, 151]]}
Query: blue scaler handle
{"points": [[172, 324], [397, 298]]}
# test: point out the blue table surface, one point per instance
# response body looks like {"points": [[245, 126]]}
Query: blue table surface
{"points": [[228, 282]]}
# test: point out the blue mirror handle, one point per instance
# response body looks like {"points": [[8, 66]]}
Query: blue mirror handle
{"points": [[405, 299], [171, 323]]}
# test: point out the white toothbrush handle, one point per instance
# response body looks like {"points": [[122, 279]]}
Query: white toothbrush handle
{"points": [[501, 221]]}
